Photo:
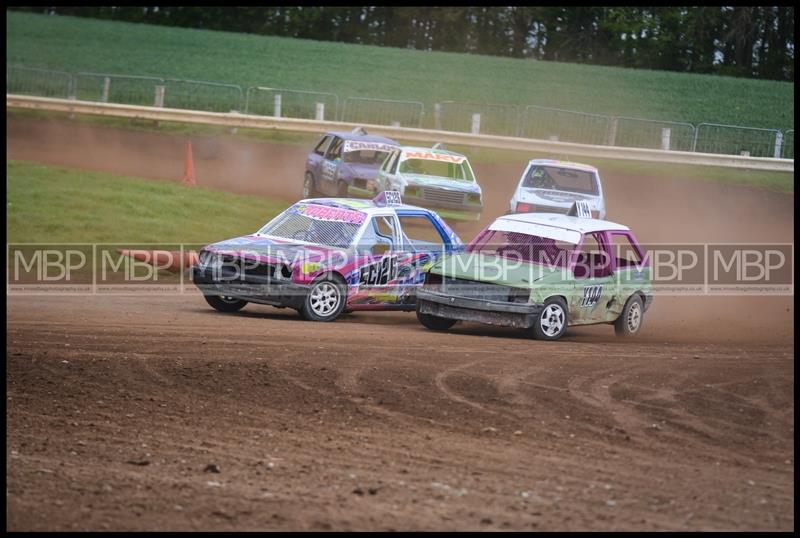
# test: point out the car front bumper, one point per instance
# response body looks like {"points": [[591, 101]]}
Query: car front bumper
{"points": [[252, 288], [471, 212], [480, 310]]}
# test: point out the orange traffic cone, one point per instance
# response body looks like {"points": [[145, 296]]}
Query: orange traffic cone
{"points": [[171, 260], [188, 169]]}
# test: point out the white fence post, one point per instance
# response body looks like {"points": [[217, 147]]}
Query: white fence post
{"points": [[320, 112], [277, 105], [437, 116], [778, 144], [476, 124], [612, 131], [665, 135], [106, 87], [159, 101]]}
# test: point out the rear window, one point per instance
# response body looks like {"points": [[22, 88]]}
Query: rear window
{"points": [[561, 179]]}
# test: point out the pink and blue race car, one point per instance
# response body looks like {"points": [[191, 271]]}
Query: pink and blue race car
{"points": [[325, 256]]}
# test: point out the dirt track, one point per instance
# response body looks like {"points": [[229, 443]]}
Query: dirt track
{"points": [[373, 422]]}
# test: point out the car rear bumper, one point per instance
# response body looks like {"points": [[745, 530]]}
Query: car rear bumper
{"points": [[252, 288], [479, 310]]}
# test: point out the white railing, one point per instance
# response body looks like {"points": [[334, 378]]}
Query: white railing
{"points": [[553, 148]]}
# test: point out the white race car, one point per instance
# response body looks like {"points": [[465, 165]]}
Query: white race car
{"points": [[549, 186]]}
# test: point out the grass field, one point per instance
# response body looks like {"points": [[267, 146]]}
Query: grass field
{"points": [[79, 44], [62, 205]]}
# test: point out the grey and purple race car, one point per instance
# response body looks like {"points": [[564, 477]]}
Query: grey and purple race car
{"points": [[346, 164], [325, 256]]}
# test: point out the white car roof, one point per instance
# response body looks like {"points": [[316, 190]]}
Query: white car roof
{"points": [[577, 224], [563, 164]]}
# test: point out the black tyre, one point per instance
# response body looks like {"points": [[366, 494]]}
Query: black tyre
{"points": [[434, 323], [630, 320], [309, 188], [325, 300], [225, 304], [552, 322], [341, 191]]}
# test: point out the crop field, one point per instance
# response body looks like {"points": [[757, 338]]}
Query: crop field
{"points": [[388, 73]]}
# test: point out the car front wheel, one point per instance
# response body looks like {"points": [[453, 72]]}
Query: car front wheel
{"points": [[630, 321], [224, 303], [325, 300], [309, 190], [434, 323], [552, 322]]}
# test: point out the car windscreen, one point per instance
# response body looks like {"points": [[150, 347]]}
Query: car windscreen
{"points": [[561, 179], [365, 156], [323, 225], [429, 167], [523, 247]]}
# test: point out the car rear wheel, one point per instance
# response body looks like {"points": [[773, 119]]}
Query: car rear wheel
{"points": [[341, 191], [224, 303], [630, 321], [325, 300], [552, 322], [309, 189], [435, 323]]}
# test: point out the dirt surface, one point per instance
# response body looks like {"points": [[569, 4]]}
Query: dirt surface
{"points": [[116, 406]]}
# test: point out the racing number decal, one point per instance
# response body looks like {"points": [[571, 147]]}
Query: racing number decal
{"points": [[379, 273], [328, 170], [591, 294]]}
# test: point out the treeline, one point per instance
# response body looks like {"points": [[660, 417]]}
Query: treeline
{"points": [[739, 41]]}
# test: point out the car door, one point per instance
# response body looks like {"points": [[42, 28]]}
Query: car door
{"points": [[330, 167], [594, 284], [424, 242], [378, 251], [317, 157]]}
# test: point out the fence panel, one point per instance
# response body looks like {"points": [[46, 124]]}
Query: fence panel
{"points": [[564, 125], [122, 89], [652, 134], [202, 95], [301, 104], [787, 150], [383, 112], [735, 140], [484, 118], [40, 82]]}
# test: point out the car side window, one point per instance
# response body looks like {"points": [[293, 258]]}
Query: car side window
{"points": [[626, 254], [322, 146], [389, 162], [592, 260], [421, 234], [393, 166], [335, 151], [379, 237]]}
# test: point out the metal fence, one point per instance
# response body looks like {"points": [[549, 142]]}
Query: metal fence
{"points": [[301, 104], [201, 95], [478, 118], [41, 82], [122, 89], [787, 151], [564, 125], [475, 118], [734, 140], [383, 112], [652, 134]]}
